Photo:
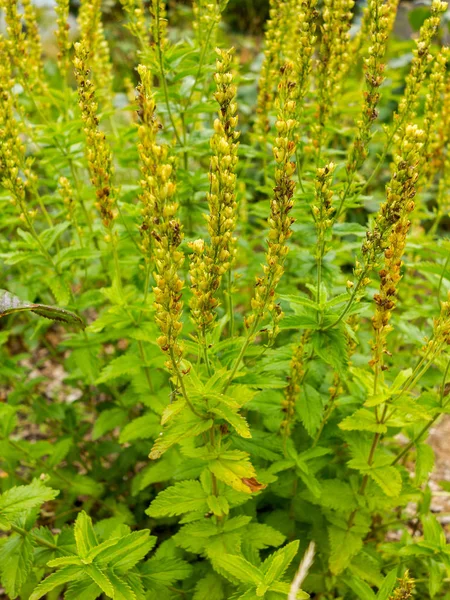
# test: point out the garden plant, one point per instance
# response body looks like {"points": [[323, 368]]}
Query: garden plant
{"points": [[224, 314]]}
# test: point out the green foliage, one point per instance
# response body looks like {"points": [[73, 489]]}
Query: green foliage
{"points": [[242, 262]]}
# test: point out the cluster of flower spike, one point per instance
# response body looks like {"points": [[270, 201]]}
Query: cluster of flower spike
{"points": [[62, 36], [270, 68], [305, 43], [322, 208], [93, 36], [432, 115], [16, 174], [292, 390], [379, 29], [418, 71], [159, 22], [280, 219], [206, 18], [394, 219], [98, 152], [160, 208], [333, 59], [210, 263], [24, 44]]}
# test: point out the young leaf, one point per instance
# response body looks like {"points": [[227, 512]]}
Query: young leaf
{"points": [[64, 575], [84, 534], [22, 498], [183, 497], [241, 569]]}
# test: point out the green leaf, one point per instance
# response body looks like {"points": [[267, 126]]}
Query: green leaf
{"points": [[309, 408], [122, 591], [388, 585], [64, 575], [142, 428], [16, 557], [10, 304], [166, 570], [241, 569], [388, 478], [185, 496], [277, 563], [128, 551], [234, 419], [345, 544], [178, 432], [209, 588], [424, 462], [127, 364], [23, 498], [362, 590], [107, 421], [99, 577], [331, 347], [234, 469], [84, 534], [362, 420]]}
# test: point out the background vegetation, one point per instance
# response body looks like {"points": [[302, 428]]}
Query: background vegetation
{"points": [[224, 318]]}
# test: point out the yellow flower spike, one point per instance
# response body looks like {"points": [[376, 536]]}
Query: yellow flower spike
{"points": [[159, 22], [12, 149], [379, 18], [280, 221], [160, 221], [62, 37], [98, 153], [292, 390], [334, 57], [136, 24], [418, 71], [390, 236], [269, 75], [24, 45], [211, 262], [93, 36], [432, 115]]}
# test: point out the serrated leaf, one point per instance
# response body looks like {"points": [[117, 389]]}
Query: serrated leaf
{"points": [[362, 420], [64, 575], [183, 497], [127, 364], [309, 408], [128, 551], [241, 569], [142, 428], [178, 432], [277, 563], [10, 304], [234, 469], [107, 421], [100, 578], [166, 570], [16, 556], [84, 534], [388, 478], [122, 591], [236, 420], [22, 498], [344, 546], [424, 462]]}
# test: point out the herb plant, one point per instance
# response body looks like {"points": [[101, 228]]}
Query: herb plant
{"points": [[241, 265]]}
